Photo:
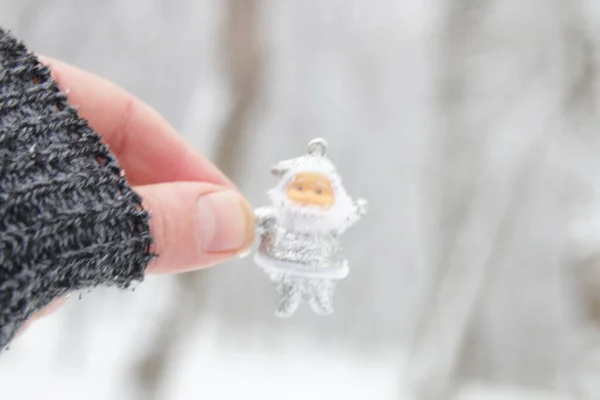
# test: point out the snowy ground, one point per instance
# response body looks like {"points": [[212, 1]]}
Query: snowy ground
{"points": [[297, 369]]}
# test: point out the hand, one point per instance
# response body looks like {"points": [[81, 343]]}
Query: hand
{"points": [[198, 217]]}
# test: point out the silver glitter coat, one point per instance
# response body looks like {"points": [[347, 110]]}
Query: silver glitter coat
{"points": [[318, 254]]}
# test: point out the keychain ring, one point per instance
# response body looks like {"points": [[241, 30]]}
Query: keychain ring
{"points": [[318, 147]]}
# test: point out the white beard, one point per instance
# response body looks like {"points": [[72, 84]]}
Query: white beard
{"points": [[296, 218]]}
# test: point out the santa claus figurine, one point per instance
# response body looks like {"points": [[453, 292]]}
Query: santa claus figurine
{"points": [[300, 234]]}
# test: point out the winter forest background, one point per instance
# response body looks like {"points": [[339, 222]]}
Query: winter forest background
{"points": [[471, 126]]}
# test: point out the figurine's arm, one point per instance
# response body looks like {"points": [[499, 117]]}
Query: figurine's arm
{"points": [[359, 210], [265, 218]]}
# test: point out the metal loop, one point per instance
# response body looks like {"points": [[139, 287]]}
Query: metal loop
{"points": [[318, 147]]}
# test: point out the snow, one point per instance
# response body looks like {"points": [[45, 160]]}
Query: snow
{"points": [[298, 368]]}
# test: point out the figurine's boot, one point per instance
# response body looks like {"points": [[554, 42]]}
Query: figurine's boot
{"points": [[288, 300], [321, 300]]}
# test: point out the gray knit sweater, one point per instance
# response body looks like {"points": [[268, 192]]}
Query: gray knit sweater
{"points": [[68, 219]]}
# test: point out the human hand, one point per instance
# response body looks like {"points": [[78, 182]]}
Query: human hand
{"points": [[198, 217]]}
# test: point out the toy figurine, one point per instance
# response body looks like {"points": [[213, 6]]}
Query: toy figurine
{"points": [[300, 234]]}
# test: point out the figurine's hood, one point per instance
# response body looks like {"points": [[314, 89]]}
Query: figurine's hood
{"points": [[308, 219], [315, 161]]}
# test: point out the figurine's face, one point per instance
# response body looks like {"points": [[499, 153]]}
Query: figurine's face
{"points": [[311, 189]]}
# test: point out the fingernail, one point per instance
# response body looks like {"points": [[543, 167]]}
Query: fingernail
{"points": [[223, 222], [244, 254]]}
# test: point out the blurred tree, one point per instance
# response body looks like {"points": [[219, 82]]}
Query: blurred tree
{"points": [[242, 53]]}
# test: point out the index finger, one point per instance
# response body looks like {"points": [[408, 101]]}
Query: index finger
{"points": [[146, 146]]}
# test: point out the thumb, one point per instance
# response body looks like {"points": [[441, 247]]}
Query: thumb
{"points": [[195, 224]]}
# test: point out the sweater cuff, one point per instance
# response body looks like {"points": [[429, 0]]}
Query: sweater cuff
{"points": [[69, 221]]}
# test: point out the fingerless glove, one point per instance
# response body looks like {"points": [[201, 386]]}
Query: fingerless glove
{"points": [[69, 221]]}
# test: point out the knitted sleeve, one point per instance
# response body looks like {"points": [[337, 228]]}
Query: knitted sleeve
{"points": [[68, 219]]}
